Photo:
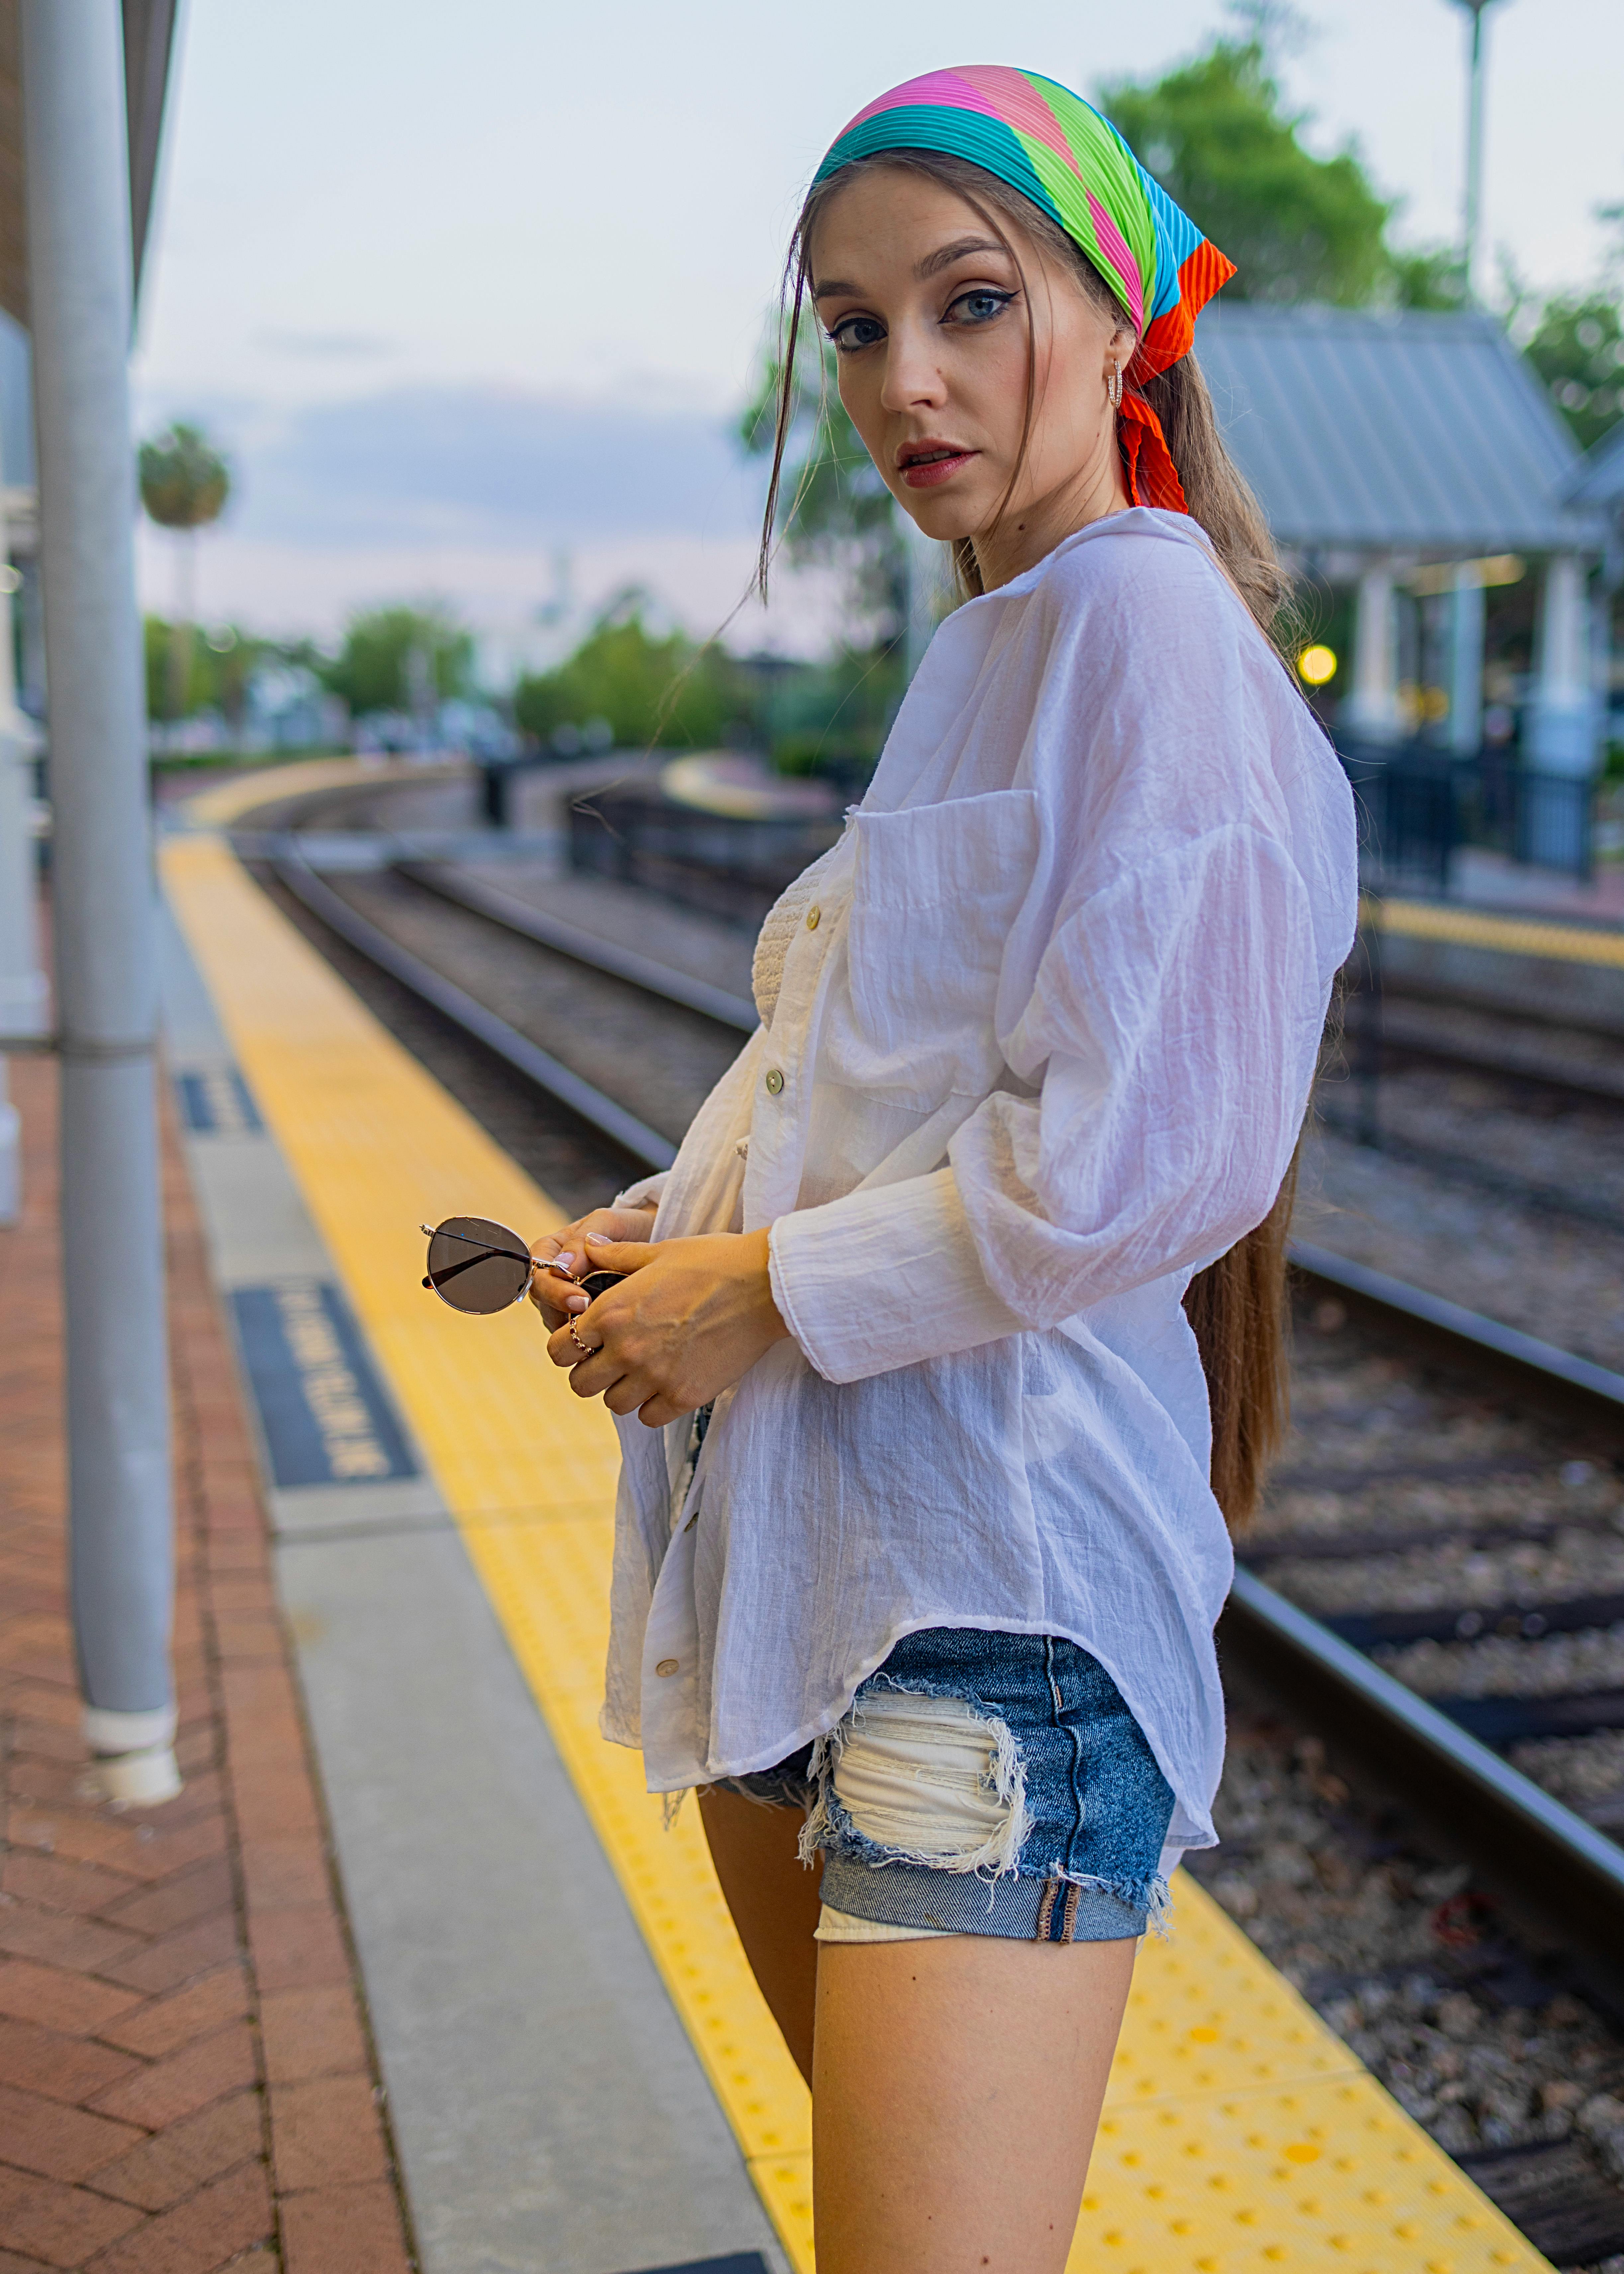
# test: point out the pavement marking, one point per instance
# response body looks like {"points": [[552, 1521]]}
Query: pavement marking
{"points": [[1239, 2131], [1509, 935], [214, 1101], [322, 1409]]}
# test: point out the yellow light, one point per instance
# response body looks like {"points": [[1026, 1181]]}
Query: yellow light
{"points": [[1316, 666]]}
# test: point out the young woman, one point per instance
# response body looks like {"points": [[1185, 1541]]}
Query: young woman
{"points": [[973, 1263]]}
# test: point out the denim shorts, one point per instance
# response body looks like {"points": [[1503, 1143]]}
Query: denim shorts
{"points": [[982, 1784]]}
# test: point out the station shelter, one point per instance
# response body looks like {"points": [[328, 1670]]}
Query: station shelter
{"points": [[1416, 477]]}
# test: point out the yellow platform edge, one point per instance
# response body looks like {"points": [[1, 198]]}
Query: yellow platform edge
{"points": [[1557, 942], [1240, 2135]]}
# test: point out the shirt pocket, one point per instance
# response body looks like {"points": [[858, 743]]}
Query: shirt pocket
{"points": [[935, 891]]}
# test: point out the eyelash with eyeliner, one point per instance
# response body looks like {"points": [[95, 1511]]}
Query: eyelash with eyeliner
{"points": [[845, 346]]}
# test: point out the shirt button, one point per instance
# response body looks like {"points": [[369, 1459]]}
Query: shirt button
{"points": [[815, 917], [775, 1081], [667, 1666]]}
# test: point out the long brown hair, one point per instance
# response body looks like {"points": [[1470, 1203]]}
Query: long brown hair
{"points": [[1237, 1307]]}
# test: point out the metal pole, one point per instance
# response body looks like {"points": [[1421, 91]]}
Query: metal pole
{"points": [[122, 1561], [1473, 214]]}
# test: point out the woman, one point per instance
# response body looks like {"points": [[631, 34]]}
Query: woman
{"points": [[930, 1600]]}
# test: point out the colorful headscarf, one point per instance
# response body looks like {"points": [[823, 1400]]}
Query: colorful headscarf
{"points": [[1058, 151]]}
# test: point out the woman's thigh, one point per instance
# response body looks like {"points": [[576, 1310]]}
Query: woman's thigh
{"points": [[957, 2090], [774, 1900]]}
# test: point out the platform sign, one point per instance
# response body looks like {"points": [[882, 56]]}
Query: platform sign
{"points": [[218, 1103], [322, 1409]]}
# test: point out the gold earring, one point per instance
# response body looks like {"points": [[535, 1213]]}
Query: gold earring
{"points": [[1113, 385]]}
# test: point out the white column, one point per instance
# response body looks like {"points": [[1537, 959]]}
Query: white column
{"points": [[1467, 614], [24, 1004], [1372, 709], [1562, 737]]}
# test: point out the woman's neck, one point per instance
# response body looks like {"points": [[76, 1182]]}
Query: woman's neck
{"points": [[1018, 540]]}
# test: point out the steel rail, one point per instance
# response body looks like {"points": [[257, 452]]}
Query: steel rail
{"points": [[590, 1105], [1526, 1837], [1522, 1833], [565, 938], [1470, 1329]]}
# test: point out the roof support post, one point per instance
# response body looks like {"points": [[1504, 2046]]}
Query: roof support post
{"points": [[1563, 740], [1372, 711], [25, 1003], [120, 1528], [1467, 617]]}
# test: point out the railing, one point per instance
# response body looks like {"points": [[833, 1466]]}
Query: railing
{"points": [[726, 865], [1418, 805]]}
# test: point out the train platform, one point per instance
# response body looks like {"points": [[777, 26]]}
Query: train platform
{"points": [[502, 1984]]}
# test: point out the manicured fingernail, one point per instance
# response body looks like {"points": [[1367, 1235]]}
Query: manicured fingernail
{"points": [[596, 1240], [564, 1263], [576, 1302]]}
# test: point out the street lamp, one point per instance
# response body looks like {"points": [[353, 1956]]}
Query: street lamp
{"points": [[1473, 215]]}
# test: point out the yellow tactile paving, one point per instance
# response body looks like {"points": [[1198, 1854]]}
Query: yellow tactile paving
{"points": [[1506, 935], [229, 801], [1239, 2134]]}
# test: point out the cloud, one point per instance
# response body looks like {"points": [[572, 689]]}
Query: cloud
{"points": [[331, 346], [470, 465]]}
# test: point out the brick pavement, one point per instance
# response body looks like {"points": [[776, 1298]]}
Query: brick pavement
{"points": [[185, 2078]]}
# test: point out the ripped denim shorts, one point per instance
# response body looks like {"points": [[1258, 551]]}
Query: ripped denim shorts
{"points": [[981, 1784]]}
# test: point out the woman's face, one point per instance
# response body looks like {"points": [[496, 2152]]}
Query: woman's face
{"points": [[928, 317]]}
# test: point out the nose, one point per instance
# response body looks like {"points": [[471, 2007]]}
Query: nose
{"points": [[913, 373]]}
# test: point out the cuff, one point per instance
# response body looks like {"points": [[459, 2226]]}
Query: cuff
{"points": [[647, 1193], [882, 1279]]}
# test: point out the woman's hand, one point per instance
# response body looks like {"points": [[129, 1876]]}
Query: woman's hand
{"points": [[565, 1250], [691, 1317]]}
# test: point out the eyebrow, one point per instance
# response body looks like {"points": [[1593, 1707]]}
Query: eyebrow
{"points": [[932, 264]]}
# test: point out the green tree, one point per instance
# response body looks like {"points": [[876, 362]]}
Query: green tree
{"points": [[392, 659], [651, 691], [834, 510], [1214, 133], [220, 668], [1578, 352]]}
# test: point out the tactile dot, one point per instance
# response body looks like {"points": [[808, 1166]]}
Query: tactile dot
{"points": [[1302, 2151]]}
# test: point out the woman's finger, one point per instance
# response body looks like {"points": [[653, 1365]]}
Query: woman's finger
{"points": [[619, 1254]]}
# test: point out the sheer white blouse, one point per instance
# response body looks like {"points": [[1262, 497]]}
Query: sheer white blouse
{"points": [[1039, 1045]]}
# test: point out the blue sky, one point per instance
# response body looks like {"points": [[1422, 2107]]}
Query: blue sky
{"points": [[460, 287]]}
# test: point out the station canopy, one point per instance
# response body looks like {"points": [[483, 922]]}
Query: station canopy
{"points": [[149, 35], [1598, 478], [1406, 432]]}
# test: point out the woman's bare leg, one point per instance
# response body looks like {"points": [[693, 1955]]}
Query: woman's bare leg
{"points": [[774, 1900], [957, 2092]]}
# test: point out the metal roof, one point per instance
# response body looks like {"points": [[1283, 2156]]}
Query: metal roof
{"points": [[1402, 432], [149, 36], [1598, 478]]}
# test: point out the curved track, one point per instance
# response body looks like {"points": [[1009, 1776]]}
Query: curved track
{"points": [[1550, 1414]]}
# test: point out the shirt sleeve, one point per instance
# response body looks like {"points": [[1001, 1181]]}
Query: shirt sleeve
{"points": [[1173, 1032], [645, 1193]]}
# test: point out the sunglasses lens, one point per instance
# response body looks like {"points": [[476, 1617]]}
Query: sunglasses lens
{"points": [[466, 1269]]}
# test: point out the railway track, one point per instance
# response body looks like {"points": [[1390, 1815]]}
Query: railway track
{"points": [[1485, 1570], [1447, 1523]]}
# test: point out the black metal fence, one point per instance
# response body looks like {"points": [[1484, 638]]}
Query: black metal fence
{"points": [[728, 865], [1418, 805]]}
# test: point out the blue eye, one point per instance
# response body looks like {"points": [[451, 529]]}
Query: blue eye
{"points": [[857, 332], [978, 307]]}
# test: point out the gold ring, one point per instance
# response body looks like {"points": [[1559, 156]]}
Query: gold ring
{"points": [[587, 1350]]}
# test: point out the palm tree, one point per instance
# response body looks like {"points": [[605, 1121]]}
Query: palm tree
{"points": [[185, 485]]}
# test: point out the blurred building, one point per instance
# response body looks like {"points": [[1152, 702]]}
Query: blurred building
{"points": [[1413, 469]]}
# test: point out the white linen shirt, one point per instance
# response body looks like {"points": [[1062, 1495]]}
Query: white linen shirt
{"points": [[1041, 1051]]}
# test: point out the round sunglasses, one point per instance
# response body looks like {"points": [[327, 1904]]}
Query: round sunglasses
{"points": [[480, 1268]]}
